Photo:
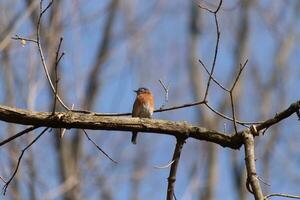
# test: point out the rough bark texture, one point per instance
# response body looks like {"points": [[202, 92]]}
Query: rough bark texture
{"points": [[87, 121], [250, 165]]}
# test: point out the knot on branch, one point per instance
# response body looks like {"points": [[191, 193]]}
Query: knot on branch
{"points": [[186, 134], [56, 116], [171, 179]]}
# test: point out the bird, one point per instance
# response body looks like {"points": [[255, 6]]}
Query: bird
{"points": [[143, 107]]}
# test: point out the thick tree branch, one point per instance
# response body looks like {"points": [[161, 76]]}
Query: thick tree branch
{"points": [[90, 121], [86, 121]]}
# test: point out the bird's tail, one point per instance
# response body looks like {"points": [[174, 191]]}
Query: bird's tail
{"points": [[133, 138]]}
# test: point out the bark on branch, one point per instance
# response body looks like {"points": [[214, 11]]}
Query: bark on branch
{"points": [[95, 122], [87, 121], [252, 179]]}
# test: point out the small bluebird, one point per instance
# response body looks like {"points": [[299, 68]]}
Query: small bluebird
{"points": [[143, 107]]}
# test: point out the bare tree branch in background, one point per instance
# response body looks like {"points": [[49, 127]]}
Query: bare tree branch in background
{"points": [[173, 171]]}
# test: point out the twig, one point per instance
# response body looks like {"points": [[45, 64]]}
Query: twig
{"points": [[231, 94], [282, 195], [166, 89], [216, 48], [164, 166], [2, 179], [181, 106], [99, 148], [212, 77], [57, 60], [209, 10], [127, 114], [264, 182], [18, 135], [230, 119], [252, 184], [22, 38], [242, 67], [19, 160], [38, 42], [174, 196], [173, 170], [293, 108], [233, 113], [42, 54]]}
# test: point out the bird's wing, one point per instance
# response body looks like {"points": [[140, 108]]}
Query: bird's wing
{"points": [[136, 108]]}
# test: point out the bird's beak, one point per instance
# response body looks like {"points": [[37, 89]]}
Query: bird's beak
{"points": [[135, 91]]}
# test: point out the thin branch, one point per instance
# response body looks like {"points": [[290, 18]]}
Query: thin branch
{"points": [[42, 54], [57, 60], [209, 10], [233, 113], [231, 95], [230, 119], [15, 23], [293, 108], [282, 195], [166, 89], [18, 135], [181, 106], [173, 170], [212, 77], [216, 50], [19, 160], [264, 182], [25, 39], [128, 114], [99, 148], [174, 196], [2, 179], [242, 67]]}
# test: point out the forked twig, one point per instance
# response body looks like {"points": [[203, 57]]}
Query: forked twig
{"points": [[216, 47], [42, 54], [231, 95], [212, 77], [166, 89], [19, 160], [246, 124]]}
